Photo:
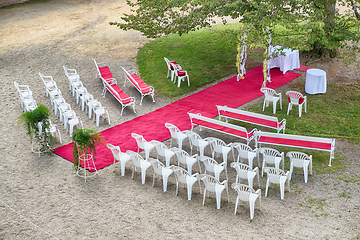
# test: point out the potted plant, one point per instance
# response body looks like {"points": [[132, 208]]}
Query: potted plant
{"points": [[85, 142], [37, 124]]}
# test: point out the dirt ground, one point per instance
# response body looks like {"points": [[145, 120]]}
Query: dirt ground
{"points": [[41, 198]]}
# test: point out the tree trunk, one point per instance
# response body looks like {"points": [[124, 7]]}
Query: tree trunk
{"points": [[329, 25]]}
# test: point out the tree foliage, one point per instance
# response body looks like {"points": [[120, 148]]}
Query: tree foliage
{"points": [[311, 25]]}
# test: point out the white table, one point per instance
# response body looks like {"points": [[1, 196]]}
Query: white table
{"points": [[288, 62], [315, 81]]}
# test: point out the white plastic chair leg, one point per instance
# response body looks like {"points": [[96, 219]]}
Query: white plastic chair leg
{"points": [[236, 205], [165, 180], [267, 186], [251, 203], [122, 168], [143, 175], [282, 190], [189, 190], [218, 199], [300, 110]]}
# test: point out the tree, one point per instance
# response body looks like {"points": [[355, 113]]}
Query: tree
{"points": [[310, 25]]}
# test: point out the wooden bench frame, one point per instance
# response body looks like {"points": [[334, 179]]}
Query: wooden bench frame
{"points": [[220, 126], [127, 101], [307, 142], [144, 91], [250, 117]]}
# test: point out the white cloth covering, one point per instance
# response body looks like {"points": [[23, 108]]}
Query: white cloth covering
{"points": [[288, 62], [315, 81]]}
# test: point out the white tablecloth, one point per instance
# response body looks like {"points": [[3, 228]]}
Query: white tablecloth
{"points": [[315, 81], [288, 62]]}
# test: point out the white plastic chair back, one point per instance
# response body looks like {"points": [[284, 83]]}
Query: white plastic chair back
{"points": [[214, 185], [213, 166], [139, 162], [244, 171], [197, 141], [248, 194], [184, 158], [300, 160], [271, 156]]}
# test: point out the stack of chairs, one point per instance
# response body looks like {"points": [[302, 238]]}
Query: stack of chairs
{"points": [[27, 100], [84, 98], [61, 108]]}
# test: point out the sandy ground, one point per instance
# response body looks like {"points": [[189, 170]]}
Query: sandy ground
{"points": [[44, 36]]}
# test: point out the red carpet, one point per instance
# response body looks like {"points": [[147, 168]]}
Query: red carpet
{"points": [[302, 68], [152, 125]]}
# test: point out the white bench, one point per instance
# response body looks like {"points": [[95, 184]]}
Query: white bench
{"points": [[140, 85], [250, 117], [119, 95], [316, 143], [223, 127]]}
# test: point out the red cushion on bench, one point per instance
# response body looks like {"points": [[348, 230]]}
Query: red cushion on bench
{"points": [[250, 119], [105, 72], [144, 88], [295, 143], [218, 127], [124, 97]]}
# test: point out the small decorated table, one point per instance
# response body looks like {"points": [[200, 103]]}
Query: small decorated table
{"points": [[315, 81]]}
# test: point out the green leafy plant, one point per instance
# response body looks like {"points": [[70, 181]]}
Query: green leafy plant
{"points": [[85, 142], [37, 124]]}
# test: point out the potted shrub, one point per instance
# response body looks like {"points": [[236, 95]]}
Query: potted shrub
{"points": [[85, 142], [37, 125]]}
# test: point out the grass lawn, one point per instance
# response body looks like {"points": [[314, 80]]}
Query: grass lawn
{"points": [[210, 54]]}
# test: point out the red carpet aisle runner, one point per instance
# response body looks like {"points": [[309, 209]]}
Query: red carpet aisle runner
{"points": [[152, 125]]}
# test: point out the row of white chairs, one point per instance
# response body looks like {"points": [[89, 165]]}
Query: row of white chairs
{"points": [[28, 103], [61, 108], [86, 100], [212, 184], [294, 98]]}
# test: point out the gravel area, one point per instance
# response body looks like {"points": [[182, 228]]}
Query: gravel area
{"points": [[42, 37]]}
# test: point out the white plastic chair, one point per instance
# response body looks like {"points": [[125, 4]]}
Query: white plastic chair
{"points": [[25, 93], [245, 152], [184, 177], [74, 121], [143, 144], [57, 103], [63, 108], [84, 99], [296, 98], [171, 69], [29, 105], [176, 134], [277, 176], [161, 170], [163, 151], [139, 162], [271, 156], [49, 83], [101, 112], [77, 84], [218, 146], [79, 92], [184, 158], [72, 75], [244, 171], [180, 75], [213, 166], [271, 97], [248, 194], [214, 185], [300, 160], [197, 141], [92, 105], [53, 130], [123, 158]]}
